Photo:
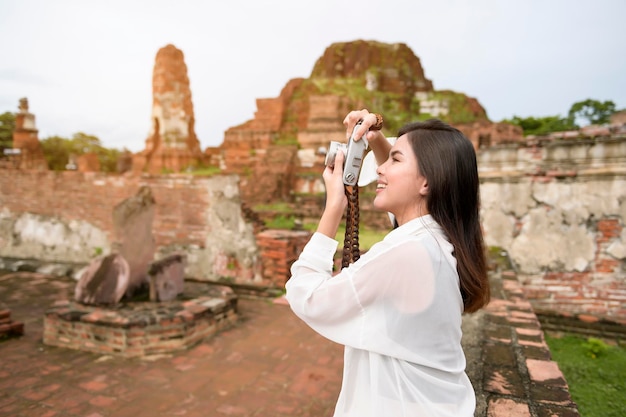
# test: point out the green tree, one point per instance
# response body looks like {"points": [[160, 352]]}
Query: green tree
{"points": [[542, 125], [7, 126], [83, 143], [594, 111], [58, 150], [108, 159]]}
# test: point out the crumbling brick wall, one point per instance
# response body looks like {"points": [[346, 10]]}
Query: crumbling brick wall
{"points": [[67, 217]]}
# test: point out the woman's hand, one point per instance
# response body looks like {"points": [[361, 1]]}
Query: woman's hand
{"points": [[369, 120], [333, 180], [336, 200], [375, 138]]}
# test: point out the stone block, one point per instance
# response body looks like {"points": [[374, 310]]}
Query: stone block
{"points": [[167, 277], [104, 282]]}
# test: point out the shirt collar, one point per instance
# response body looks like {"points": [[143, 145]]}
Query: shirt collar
{"points": [[415, 227]]}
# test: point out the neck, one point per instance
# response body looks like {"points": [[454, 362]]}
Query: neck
{"points": [[405, 218]]}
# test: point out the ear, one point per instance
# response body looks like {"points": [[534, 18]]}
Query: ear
{"points": [[424, 188]]}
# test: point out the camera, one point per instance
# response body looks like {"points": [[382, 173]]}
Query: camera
{"points": [[354, 152]]}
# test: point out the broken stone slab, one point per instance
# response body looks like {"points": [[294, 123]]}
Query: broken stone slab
{"points": [[167, 277], [104, 281], [132, 225]]}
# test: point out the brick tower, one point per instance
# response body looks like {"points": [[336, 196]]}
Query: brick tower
{"points": [[172, 145], [26, 140]]}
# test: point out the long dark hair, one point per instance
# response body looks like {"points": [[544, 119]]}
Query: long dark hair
{"points": [[448, 161]]}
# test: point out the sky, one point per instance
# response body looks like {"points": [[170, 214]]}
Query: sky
{"points": [[86, 66]]}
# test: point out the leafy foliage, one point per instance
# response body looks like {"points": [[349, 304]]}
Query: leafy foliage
{"points": [[58, 150], [595, 347], [542, 125], [594, 111], [7, 125]]}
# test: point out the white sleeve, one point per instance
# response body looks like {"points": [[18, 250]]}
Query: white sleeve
{"points": [[327, 303], [389, 284]]}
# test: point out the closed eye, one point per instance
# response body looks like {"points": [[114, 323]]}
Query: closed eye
{"points": [[394, 156]]}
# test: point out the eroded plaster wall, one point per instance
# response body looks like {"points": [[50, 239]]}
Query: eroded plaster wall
{"points": [[558, 209], [67, 217]]}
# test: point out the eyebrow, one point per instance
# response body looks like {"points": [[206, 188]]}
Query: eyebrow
{"points": [[396, 152]]}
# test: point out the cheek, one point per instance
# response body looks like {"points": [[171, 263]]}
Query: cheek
{"points": [[407, 182]]}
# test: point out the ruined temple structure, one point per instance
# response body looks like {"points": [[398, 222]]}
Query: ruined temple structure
{"points": [[484, 133], [27, 151], [130, 267], [282, 148], [172, 145]]}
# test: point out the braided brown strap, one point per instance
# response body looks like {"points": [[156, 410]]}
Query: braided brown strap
{"points": [[351, 252]]}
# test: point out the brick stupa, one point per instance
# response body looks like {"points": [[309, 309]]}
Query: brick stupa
{"points": [[277, 153], [172, 145], [26, 140]]}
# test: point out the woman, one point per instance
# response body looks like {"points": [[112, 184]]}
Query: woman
{"points": [[398, 308]]}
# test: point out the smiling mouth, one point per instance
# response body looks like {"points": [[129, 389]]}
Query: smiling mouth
{"points": [[381, 186]]}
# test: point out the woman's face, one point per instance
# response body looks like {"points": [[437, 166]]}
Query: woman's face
{"points": [[401, 187]]}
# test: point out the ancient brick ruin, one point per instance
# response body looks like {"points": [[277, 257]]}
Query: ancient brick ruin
{"points": [[172, 144], [277, 150], [276, 156], [137, 329], [27, 152]]}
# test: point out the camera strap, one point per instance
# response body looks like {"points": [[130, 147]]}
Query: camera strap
{"points": [[351, 252]]}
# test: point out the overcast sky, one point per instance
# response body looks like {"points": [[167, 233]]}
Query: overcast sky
{"points": [[86, 66]]}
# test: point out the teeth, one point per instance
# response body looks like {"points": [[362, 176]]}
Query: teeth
{"points": [[381, 186]]}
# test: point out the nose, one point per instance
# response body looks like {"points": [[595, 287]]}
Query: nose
{"points": [[381, 168]]}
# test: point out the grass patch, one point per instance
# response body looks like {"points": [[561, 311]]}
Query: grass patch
{"points": [[206, 171], [279, 207], [281, 222], [595, 373], [367, 236]]}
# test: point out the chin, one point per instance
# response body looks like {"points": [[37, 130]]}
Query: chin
{"points": [[379, 205]]}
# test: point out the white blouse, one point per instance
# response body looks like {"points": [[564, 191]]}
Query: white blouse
{"points": [[398, 312]]}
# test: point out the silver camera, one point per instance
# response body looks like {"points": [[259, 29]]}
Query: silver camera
{"points": [[354, 152]]}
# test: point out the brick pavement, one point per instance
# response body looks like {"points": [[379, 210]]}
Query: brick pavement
{"points": [[270, 364]]}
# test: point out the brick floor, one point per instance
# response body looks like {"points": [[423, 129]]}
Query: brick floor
{"points": [[270, 364]]}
